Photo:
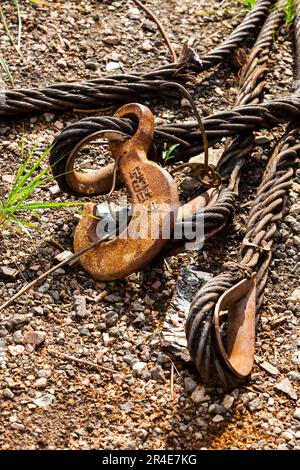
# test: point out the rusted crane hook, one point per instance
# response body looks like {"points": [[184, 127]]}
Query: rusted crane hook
{"points": [[154, 199]]}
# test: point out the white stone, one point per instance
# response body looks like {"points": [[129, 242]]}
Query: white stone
{"points": [[296, 294], [138, 368], [228, 401], [112, 65], [15, 350], [286, 387], [217, 419]]}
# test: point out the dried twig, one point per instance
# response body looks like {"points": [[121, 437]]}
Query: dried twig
{"points": [[80, 361], [50, 271], [160, 27], [172, 380]]}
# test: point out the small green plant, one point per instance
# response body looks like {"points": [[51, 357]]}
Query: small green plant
{"points": [[248, 4], [6, 70], [167, 153], [29, 177], [289, 11], [111, 285]]}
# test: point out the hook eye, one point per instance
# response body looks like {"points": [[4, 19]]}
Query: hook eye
{"points": [[143, 137]]}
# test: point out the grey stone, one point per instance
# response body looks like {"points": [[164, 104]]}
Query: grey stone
{"points": [[8, 273], [142, 434], [296, 358], [8, 394], [255, 404], [133, 13], [16, 321], [288, 435], [80, 306], [296, 294], [127, 407], [261, 140], [61, 63], [38, 310], [44, 288], [16, 350], [18, 426], [44, 373], [189, 384], [149, 26], [294, 376], [283, 447], [198, 394], [130, 359], [65, 255], [55, 190], [189, 184], [200, 423], [85, 332], [91, 65], [139, 368], [111, 319], [18, 336], [216, 409], [137, 307], [286, 387], [158, 375]]}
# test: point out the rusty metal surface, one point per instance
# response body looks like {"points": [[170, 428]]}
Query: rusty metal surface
{"points": [[148, 185], [223, 124], [96, 181], [240, 302], [215, 362]]}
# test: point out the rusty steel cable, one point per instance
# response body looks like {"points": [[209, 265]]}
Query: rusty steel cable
{"points": [[236, 39], [237, 151], [224, 124], [109, 91], [252, 73], [255, 256], [252, 84], [267, 207]]}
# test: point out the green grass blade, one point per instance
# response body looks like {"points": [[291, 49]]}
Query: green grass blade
{"points": [[6, 70], [49, 205], [289, 11], [30, 171]]}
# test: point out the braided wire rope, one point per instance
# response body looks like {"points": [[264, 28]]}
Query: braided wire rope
{"points": [[223, 124], [108, 91], [255, 255], [243, 121]]}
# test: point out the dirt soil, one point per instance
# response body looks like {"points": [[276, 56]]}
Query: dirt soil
{"points": [[47, 401]]}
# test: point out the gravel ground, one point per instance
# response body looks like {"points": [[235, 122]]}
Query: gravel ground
{"points": [[127, 402]]}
